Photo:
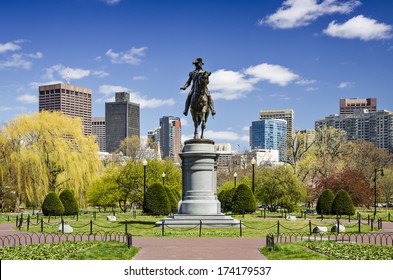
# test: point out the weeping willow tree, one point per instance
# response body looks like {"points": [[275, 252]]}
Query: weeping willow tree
{"points": [[47, 152]]}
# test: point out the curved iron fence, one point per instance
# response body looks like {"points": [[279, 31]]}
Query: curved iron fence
{"points": [[376, 238], [41, 238]]}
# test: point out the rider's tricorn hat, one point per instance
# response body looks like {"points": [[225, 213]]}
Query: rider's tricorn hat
{"points": [[198, 60]]}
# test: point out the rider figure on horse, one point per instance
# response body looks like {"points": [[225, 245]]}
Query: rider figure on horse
{"points": [[193, 77]]}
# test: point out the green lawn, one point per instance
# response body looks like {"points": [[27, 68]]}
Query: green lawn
{"points": [[82, 250], [328, 250]]}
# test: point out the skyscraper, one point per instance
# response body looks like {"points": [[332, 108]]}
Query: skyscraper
{"points": [[285, 114], [70, 100], [170, 137], [348, 106], [122, 120], [269, 134], [98, 129], [375, 127]]}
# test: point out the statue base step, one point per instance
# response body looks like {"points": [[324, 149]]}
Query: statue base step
{"points": [[187, 220]]}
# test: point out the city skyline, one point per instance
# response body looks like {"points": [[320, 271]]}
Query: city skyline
{"points": [[303, 55]]}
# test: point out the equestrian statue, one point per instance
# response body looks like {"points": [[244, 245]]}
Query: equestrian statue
{"points": [[199, 100]]}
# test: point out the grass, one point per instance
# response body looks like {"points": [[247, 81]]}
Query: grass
{"points": [[82, 250], [292, 251], [328, 250]]}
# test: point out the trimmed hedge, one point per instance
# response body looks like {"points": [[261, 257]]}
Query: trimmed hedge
{"points": [[243, 200], [171, 197], [52, 205], [342, 204], [69, 202], [225, 196], [325, 201], [157, 202]]}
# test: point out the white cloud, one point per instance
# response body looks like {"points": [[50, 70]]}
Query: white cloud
{"points": [[184, 122], [135, 97], [28, 98], [16, 61], [132, 56], [139, 78], [72, 73], [344, 85], [111, 2], [359, 27], [296, 13], [9, 46], [36, 55], [100, 73], [232, 85], [274, 74]]}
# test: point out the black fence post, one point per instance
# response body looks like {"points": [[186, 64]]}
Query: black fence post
{"points": [[200, 228], [241, 228], [338, 226], [368, 219], [359, 222], [349, 218], [42, 224], [48, 218], [162, 228], [91, 226], [62, 225], [37, 217], [95, 215], [17, 221], [28, 222], [129, 241], [278, 228], [309, 226], [126, 227], [372, 224], [264, 213], [77, 216]]}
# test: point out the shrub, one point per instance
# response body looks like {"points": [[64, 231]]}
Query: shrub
{"points": [[69, 202], [171, 197], [52, 205], [225, 197], [157, 202], [342, 204], [324, 203], [243, 200]]}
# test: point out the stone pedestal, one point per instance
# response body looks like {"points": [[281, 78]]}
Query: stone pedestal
{"points": [[199, 201]]}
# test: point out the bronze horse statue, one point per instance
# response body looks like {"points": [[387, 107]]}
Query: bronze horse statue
{"points": [[200, 108]]}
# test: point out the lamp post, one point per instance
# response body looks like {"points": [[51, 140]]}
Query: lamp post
{"points": [[375, 188], [253, 161], [163, 178], [144, 163], [234, 177]]}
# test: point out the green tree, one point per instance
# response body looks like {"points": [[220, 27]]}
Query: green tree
{"points": [[385, 184], [130, 185], [52, 205], [342, 204], [243, 200], [47, 152], [104, 191], [69, 202], [279, 187], [325, 201], [157, 202]]}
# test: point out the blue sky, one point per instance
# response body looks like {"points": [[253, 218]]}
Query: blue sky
{"points": [[298, 54]]}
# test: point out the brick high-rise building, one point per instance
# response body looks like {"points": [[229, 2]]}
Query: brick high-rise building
{"points": [[70, 100], [170, 137], [98, 129], [349, 106]]}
